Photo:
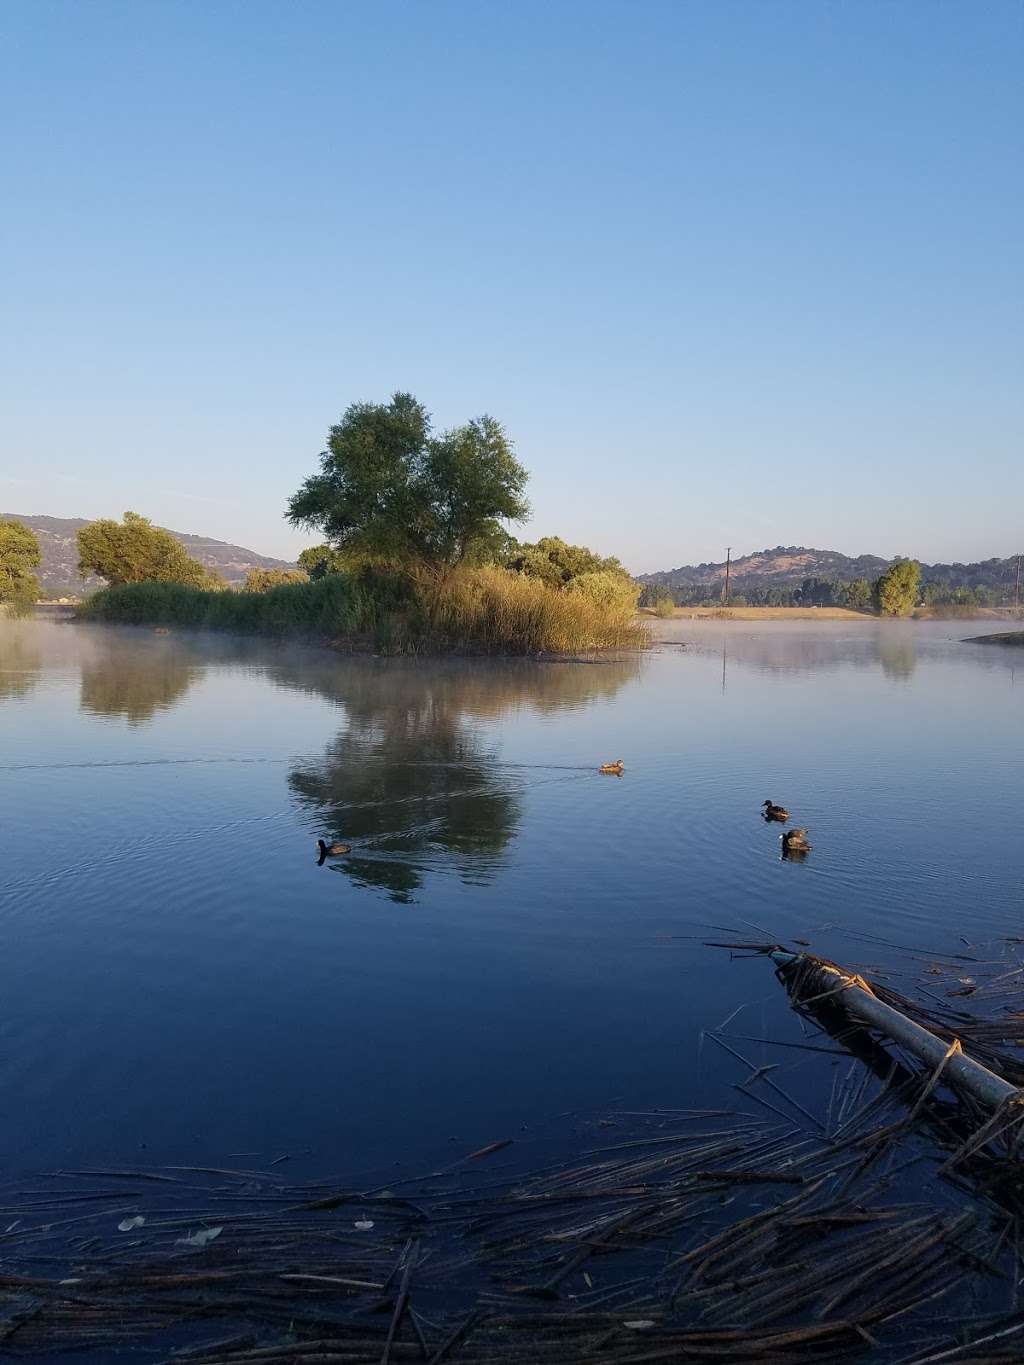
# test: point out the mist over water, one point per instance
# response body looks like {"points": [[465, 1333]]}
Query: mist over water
{"points": [[512, 935]]}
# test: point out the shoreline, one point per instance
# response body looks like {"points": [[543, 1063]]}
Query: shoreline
{"points": [[1013, 638], [828, 614], [361, 647]]}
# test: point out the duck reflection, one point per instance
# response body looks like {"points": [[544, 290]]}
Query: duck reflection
{"points": [[413, 781], [135, 679]]}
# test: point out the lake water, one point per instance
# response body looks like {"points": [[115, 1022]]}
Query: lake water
{"points": [[513, 935]]}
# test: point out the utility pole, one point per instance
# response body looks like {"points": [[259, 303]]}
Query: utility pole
{"points": [[728, 561]]}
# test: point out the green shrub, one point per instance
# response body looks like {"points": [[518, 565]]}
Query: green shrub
{"points": [[262, 580], [605, 589], [334, 606]]}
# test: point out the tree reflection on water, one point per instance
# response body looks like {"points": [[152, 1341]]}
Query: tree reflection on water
{"points": [[412, 780], [136, 678], [898, 658], [21, 665]]}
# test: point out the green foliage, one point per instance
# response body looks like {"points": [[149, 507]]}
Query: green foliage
{"points": [[486, 610], [896, 591], [557, 563], [659, 597], [262, 580], [607, 588], [391, 491], [857, 594], [944, 595], [19, 555], [136, 551], [320, 560], [819, 592], [334, 606]]}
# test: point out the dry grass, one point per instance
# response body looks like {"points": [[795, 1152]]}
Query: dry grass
{"points": [[950, 611], [766, 614], [494, 611]]}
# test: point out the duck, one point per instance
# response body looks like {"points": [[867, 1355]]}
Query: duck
{"points": [[615, 769], [331, 851], [772, 812], [794, 841]]}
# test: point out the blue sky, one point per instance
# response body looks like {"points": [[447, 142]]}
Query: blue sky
{"points": [[730, 273]]}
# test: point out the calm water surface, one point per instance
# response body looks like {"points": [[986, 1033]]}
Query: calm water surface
{"points": [[513, 936]]}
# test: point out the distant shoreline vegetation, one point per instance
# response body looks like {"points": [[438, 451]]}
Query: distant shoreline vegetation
{"points": [[771, 578], [487, 610]]}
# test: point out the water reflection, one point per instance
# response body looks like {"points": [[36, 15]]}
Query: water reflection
{"points": [[411, 781], [898, 658], [20, 663], [134, 679], [486, 689], [811, 647]]}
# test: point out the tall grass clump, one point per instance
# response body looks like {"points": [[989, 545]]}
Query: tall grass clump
{"points": [[486, 610], [493, 611]]}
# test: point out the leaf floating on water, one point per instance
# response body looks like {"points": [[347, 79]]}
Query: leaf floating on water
{"points": [[130, 1224], [363, 1224], [201, 1238]]}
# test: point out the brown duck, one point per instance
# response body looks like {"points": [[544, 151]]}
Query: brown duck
{"points": [[613, 769], [772, 812], [794, 841]]}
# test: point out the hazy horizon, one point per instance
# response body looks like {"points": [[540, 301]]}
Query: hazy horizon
{"points": [[729, 274]]}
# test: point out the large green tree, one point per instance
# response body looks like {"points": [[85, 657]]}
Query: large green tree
{"points": [[389, 489], [136, 551], [19, 555], [896, 591]]}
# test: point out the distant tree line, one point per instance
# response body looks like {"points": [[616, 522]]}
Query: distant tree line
{"points": [[812, 592], [987, 584]]}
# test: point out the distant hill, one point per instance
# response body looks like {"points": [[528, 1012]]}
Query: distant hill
{"points": [[59, 571], [773, 576]]}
